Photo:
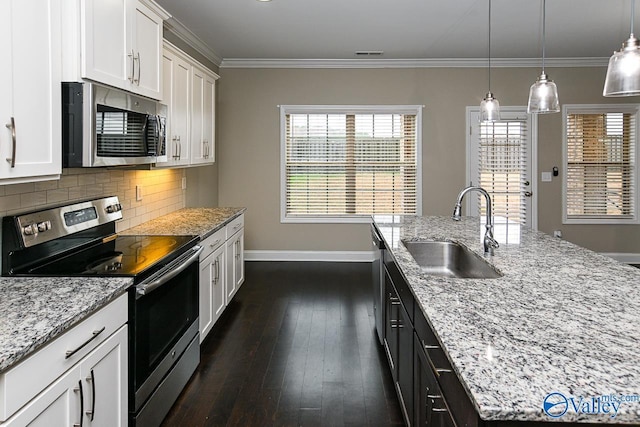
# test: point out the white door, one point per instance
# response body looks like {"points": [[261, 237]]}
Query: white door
{"points": [[148, 40], [58, 405], [197, 113], [209, 118], [501, 159], [219, 277], [104, 375], [108, 55], [205, 297], [30, 101]]}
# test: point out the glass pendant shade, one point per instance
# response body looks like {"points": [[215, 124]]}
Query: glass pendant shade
{"points": [[489, 109], [543, 96], [623, 73]]}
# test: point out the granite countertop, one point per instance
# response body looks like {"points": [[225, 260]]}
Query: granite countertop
{"points": [[36, 310], [187, 221], [561, 319]]}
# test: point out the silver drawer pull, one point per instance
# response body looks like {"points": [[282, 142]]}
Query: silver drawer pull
{"points": [[443, 371], [70, 353], [431, 347], [439, 410], [434, 396]]}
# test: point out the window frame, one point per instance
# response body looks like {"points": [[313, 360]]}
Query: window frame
{"points": [[599, 109], [344, 109]]}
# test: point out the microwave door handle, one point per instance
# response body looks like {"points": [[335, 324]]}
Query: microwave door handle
{"points": [[145, 289]]}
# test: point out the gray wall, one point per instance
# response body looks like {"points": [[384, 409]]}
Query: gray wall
{"points": [[248, 143]]}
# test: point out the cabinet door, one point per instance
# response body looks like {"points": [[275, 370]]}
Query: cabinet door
{"points": [[197, 115], [238, 261], [392, 306], [30, 97], [205, 297], [58, 405], [405, 364], [209, 119], [148, 47], [176, 95], [104, 375], [107, 51], [219, 300]]}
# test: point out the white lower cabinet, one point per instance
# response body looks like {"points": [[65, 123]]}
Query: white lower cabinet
{"points": [[221, 272], [212, 279], [235, 264], [89, 386]]}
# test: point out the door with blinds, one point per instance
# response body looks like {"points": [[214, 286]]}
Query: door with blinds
{"points": [[500, 160]]}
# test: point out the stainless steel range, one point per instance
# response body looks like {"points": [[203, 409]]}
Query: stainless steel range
{"points": [[80, 239]]}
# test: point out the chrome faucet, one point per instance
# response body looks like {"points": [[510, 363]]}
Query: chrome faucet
{"points": [[489, 241]]}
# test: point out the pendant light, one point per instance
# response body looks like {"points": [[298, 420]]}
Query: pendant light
{"points": [[623, 73], [543, 95], [489, 107]]}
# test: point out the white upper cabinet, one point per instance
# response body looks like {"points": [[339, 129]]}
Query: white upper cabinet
{"points": [[177, 97], [120, 44], [30, 96], [203, 94], [189, 90]]}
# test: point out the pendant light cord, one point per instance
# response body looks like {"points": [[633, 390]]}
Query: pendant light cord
{"points": [[544, 28], [633, 9], [489, 46]]}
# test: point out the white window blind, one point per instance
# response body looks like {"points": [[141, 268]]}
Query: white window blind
{"points": [[502, 168], [600, 170], [349, 164]]}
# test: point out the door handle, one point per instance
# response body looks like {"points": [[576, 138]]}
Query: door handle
{"points": [[528, 193], [12, 127]]}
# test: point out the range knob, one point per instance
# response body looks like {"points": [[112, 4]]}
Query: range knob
{"points": [[44, 226], [29, 230], [113, 208]]}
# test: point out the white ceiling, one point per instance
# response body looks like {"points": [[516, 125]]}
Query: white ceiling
{"points": [[404, 29]]}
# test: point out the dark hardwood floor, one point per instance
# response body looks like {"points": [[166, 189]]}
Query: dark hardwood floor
{"points": [[296, 347]]}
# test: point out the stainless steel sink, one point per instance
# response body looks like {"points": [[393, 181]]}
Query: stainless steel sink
{"points": [[449, 259]]}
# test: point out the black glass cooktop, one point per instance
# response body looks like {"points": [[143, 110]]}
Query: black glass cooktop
{"points": [[122, 256]]}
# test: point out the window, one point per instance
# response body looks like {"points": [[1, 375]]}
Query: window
{"points": [[600, 184], [344, 163]]}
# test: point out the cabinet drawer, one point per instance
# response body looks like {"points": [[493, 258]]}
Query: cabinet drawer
{"points": [[212, 242], [23, 382], [235, 225]]}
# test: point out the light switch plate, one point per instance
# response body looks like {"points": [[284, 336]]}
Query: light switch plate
{"points": [[138, 193], [546, 177], [184, 182]]}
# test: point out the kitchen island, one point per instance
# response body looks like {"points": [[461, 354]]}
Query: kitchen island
{"points": [[560, 319]]}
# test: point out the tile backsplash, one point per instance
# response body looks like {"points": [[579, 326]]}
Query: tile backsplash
{"points": [[161, 192]]}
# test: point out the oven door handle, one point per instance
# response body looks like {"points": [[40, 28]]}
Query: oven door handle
{"points": [[147, 288]]}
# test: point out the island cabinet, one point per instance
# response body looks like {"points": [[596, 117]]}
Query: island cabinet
{"points": [[221, 272], [427, 387], [79, 378]]}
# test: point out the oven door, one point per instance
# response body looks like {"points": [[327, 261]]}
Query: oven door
{"points": [[163, 322]]}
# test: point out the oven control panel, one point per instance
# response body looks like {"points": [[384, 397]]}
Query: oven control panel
{"points": [[42, 226]]}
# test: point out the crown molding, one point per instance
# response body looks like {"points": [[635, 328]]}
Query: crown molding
{"points": [[186, 35], [414, 63]]}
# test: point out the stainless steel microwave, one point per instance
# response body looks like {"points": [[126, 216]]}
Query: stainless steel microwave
{"points": [[103, 126]]}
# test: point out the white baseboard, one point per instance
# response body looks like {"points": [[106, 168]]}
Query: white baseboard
{"points": [[327, 256], [626, 257]]}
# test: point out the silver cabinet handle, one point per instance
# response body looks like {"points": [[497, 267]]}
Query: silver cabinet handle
{"points": [[70, 353], [12, 126], [439, 410], [92, 380], [139, 67], [133, 66], [79, 389]]}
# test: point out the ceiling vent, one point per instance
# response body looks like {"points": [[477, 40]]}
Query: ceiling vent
{"points": [[369, 53]]}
